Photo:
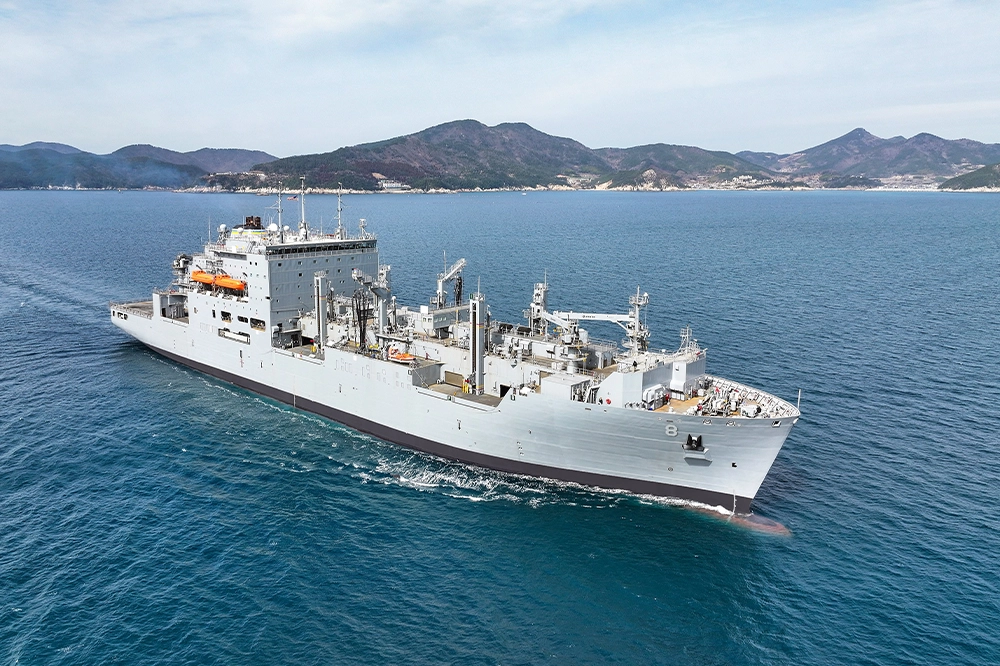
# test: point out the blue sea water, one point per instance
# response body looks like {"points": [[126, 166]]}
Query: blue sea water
{"points": [[149, 514]]}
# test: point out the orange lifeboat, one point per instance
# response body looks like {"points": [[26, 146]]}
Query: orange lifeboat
{"points": [[218, 280], [401, 357], [230, 283]]}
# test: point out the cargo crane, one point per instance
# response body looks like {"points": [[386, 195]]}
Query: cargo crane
{"points": [[453, 273], [381, 289], [637, 334]]}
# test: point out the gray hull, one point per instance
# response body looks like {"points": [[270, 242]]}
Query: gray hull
{"points": [[536, 435]]}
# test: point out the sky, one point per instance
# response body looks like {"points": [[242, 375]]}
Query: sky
{"points": [[307, 76]]}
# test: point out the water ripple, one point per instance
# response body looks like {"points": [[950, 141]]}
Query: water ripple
{"points": [[150, 514]]}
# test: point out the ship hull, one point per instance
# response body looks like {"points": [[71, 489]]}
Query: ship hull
{"points": [[535, 435], [401, 438]]}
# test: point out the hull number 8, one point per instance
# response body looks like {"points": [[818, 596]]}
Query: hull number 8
{"points": [[671, 431]]}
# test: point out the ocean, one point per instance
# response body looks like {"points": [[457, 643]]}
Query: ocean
{"points": [[150, 514]]}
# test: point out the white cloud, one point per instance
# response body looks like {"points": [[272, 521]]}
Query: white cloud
{"points": [[295, 77]]}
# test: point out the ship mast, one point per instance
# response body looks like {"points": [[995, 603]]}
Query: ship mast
{"points": [[340, 209], [639, 334], [303, 227], [279, 209]]}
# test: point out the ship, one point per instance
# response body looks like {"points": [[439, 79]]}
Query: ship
{"points": [[310, 319]]}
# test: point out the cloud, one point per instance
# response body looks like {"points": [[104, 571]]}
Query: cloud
{"points": [[293, 77]]}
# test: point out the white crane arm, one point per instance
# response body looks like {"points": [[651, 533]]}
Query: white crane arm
{"points": [[454, 270], [590, 316], [554, 318]]}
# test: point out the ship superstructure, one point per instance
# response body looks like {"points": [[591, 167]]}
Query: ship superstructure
{"points": [[310, 319]]}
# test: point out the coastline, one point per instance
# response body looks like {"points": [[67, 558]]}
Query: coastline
{"points": [[271, 191]]}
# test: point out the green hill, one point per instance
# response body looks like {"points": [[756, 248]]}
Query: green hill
{"points": [[210, 160], [464, 154], [467, 154], [678, 166], [987, 176]]}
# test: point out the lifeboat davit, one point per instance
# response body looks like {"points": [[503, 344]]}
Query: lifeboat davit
{"points": [[218, 280]]}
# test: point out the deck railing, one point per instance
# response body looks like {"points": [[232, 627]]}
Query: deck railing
{"points": [[138, 312], [769, 404]]}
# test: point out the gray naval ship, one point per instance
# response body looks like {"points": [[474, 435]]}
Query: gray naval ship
{"points": [[310, 319]]}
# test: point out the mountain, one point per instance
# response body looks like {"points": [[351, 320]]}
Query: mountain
{"points": [[467, 154], [770, 161], [210, 160], [43, 164], [41, 145], [49, 168], [464, 154], [986, 177], [860, 153], [679, 166]]}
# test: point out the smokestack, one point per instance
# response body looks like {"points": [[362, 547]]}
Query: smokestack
{"points": [[477, 319]]}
